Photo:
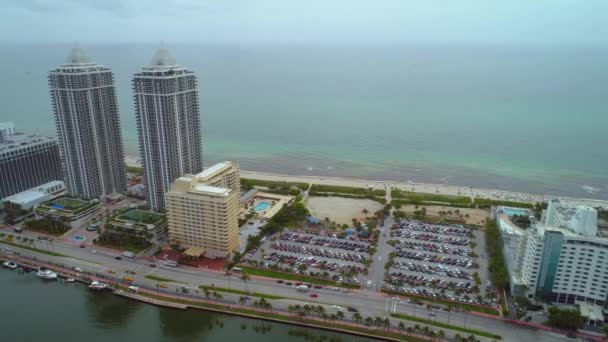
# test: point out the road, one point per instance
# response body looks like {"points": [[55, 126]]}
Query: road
{"points": [[369, 303]]}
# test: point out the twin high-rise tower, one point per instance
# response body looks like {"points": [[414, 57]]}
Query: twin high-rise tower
{"points": [[88, 126], [168, 123]]}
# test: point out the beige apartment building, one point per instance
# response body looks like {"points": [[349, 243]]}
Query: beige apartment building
{"points": [[203, 210]]}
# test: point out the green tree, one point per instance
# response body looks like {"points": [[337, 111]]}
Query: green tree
{"points": [[357, 317], [565, 318]]}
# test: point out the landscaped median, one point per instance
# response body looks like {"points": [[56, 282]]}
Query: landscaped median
{"points": [[240, 292], [280, 318], [464, 306], [294, 277], [34, 249], [447, 326]]}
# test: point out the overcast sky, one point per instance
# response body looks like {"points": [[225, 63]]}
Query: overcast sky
{"points": [[538, 21]]}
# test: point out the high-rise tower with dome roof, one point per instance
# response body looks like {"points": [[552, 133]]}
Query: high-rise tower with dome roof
{"points": [[88, 126], [168, 124]]}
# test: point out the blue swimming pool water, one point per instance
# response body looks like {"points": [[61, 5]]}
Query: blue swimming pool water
{"points": [[262, 206], [513, 212]]}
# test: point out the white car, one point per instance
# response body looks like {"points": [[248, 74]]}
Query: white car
{"points": [[379, 258], [78, 269], [337, 307]]}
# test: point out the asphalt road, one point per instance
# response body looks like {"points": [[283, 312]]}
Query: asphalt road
{"points": [[369, 303]]}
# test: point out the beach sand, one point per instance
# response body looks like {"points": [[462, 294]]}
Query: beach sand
{"points": [[443, 189], [341, 210]]}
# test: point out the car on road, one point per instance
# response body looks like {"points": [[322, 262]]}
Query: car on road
{"points": [[152, 265], [128, 279], [318, 287], [82, 246], [111, 271], [118, 257], [280, 282], [351, 309], [336, 307], [78, 269], [314, 295], [93, 251], [163, 286], [288, 284]]}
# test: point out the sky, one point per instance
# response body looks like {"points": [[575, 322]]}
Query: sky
{"points": [[517, 21]]}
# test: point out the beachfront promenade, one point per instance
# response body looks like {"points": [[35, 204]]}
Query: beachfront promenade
{"points": [[368, 302]]}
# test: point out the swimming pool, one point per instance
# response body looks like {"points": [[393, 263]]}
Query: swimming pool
{"points": [[261, 206], [514, 211]]}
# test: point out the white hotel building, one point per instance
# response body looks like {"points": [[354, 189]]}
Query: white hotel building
{"points": [[564, 260]]}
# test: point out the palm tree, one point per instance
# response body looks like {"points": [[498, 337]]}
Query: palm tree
{"points": [[340, 315], [449, 309], [401, 326], [387, 323], [207, 292], [242, 301], [245, 278], [229, 275], [369, 321], [357, 317]]}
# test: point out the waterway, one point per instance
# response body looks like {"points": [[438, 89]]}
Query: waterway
{"points": [[35, 310]]}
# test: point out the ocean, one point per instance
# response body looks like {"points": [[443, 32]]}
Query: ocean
{"points": [[521, 118]]}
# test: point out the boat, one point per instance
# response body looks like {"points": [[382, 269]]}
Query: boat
{"points": [[10, 264], [70, 280], [47, 274], [98, 286]]}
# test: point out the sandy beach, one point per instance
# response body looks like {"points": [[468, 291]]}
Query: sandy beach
{"points": [[443, 189]]}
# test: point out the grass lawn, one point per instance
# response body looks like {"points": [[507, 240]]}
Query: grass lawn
{"points": [[141, 216], [447, 326], [33, 249], [464, 306], [166, 280], [70, 203], [123, 247], [240, 292], [288, 319], [347, 190], [295, 277]]}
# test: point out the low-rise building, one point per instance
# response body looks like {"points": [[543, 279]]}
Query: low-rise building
{"points": [[203, 210], [28, 199], [68, 209], [150, 224]]}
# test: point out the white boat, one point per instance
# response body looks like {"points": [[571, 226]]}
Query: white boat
{"points": [[10, 264], [70, 280], [46, 274], [98, 286]]}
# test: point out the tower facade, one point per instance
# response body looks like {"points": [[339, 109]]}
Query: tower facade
{"points": [[168, 124], [88, 127]]}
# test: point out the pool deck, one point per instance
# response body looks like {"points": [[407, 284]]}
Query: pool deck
{"points": [[271, 210]]}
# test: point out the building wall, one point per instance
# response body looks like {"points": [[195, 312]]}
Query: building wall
{"points": [[206, 221], [29, 166], [582, 271], [168, 123], [88, 127]]}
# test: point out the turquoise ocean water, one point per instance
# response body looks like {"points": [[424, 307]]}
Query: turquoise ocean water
{"points": [[518, 118]]}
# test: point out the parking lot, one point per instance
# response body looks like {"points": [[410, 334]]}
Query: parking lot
{"points": [[438, 260], [310, 253]]}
